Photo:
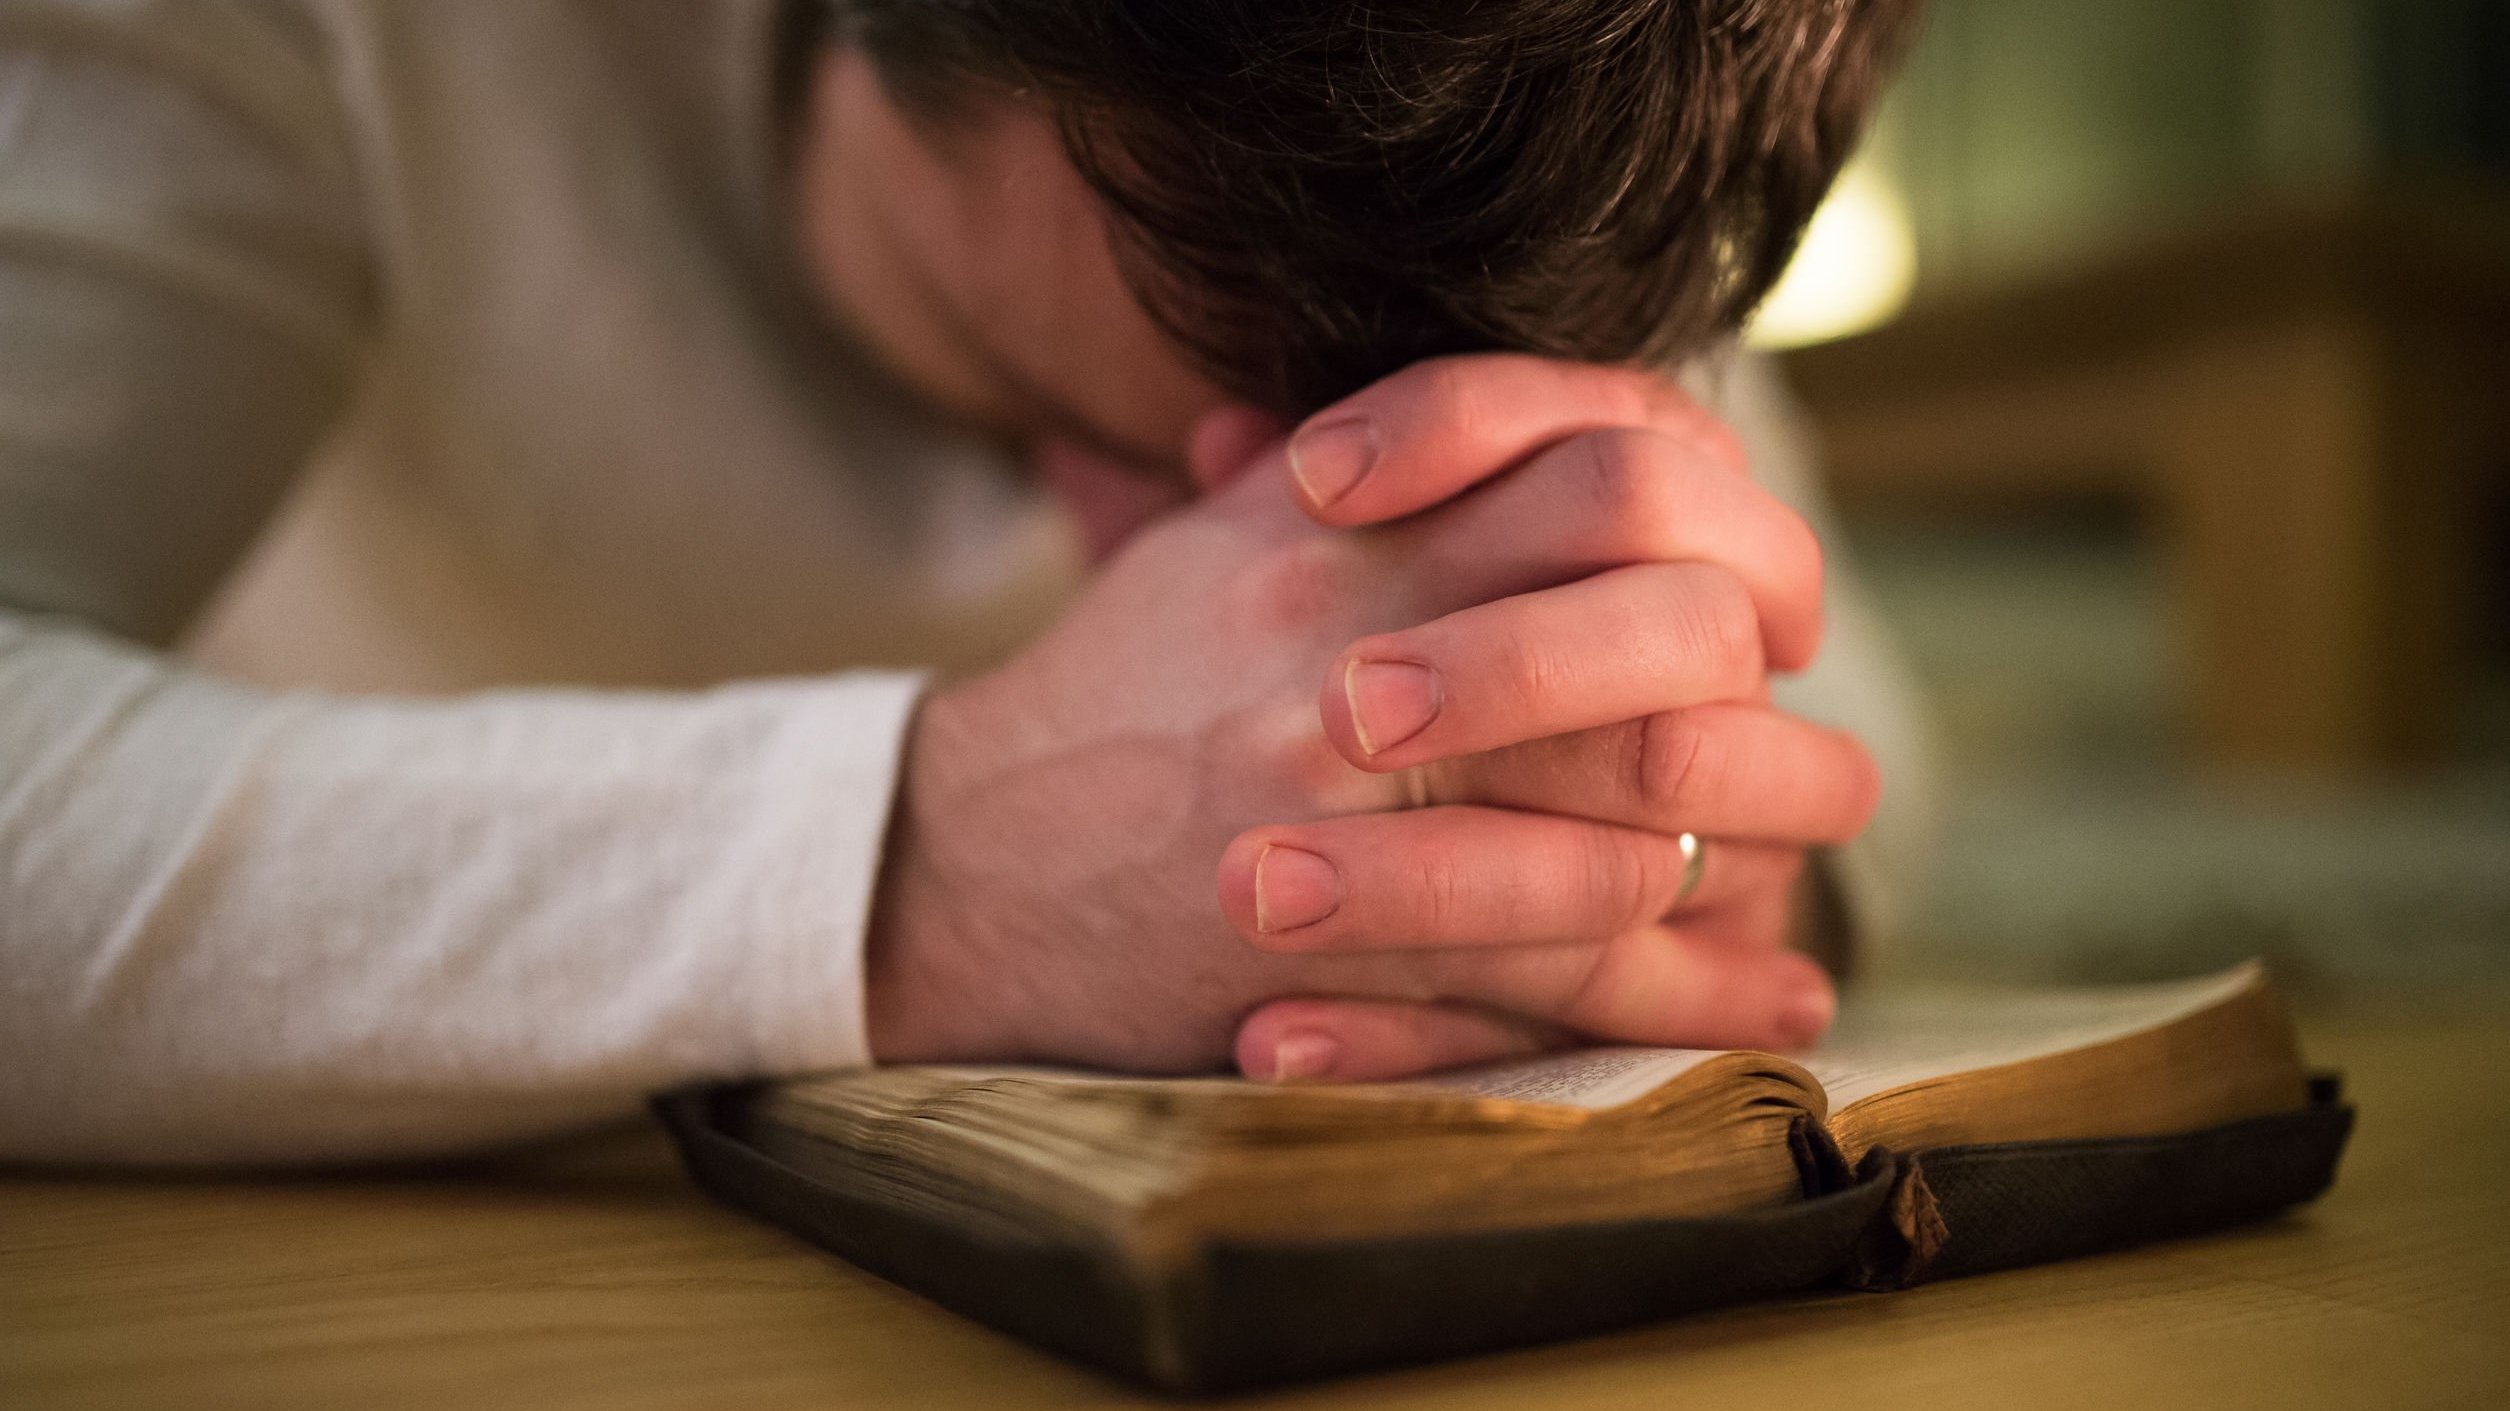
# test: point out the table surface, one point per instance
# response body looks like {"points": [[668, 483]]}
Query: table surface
{"points": [[595, 1275]]}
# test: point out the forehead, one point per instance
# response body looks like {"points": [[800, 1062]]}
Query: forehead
{"points": [[1025, 271]]}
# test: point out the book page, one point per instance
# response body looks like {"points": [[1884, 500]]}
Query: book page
{"points": [[1890, 1039], [1591, 1078], [1883, 1040]]}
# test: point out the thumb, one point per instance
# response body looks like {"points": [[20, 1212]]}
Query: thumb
{"points": [[1327, 1038]]}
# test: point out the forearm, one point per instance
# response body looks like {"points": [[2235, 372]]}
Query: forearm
{"points": [[240, 926]]}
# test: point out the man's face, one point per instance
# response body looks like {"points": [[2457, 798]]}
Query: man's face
{"points": [[973, 259]]}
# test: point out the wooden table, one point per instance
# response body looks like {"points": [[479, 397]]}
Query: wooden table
{"points": [[597, 1277]]}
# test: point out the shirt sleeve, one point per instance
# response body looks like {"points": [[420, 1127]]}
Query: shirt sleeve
{"points": [[246, 926], [239, 925]]}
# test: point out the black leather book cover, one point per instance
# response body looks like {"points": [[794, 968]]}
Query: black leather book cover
{"points": [[1243, 1315]]}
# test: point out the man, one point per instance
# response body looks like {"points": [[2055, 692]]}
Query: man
{"points": [[516, 375]]}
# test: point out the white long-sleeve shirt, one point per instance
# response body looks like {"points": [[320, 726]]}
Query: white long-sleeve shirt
{"points": [[460, 602]]}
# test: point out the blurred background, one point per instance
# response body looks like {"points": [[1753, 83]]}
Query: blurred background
{"points": [[2161, 354]]}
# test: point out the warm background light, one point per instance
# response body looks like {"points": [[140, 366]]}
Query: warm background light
{"points": [[1853, 271]]}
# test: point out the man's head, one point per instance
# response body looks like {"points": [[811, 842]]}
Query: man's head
{"points": [[1109, 213]]}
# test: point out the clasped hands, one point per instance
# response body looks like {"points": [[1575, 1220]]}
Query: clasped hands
{"points": [[1373, 759]]}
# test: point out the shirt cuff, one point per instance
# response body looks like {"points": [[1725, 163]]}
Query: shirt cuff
{"points": [[827, 785]]}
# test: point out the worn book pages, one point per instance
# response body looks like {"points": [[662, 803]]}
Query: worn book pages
{"points": [[1895, 1038], [1592, 1078], [1883, 1040], [1157, 1166]]}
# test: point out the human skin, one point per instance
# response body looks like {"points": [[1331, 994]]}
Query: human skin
{"points": [[1371, 756]]}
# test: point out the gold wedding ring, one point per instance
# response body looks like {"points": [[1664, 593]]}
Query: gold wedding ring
{"points": [[1694, 865]]}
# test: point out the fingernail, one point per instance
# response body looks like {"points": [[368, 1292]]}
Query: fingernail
{"points": [[1391, 701], [1804, 1016], [1303, 1055], [1328, 460], [1293, 888]]}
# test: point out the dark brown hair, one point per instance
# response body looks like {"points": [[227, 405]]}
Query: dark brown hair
{"points": [[1312, 193]]}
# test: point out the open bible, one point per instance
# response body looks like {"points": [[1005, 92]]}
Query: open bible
{"points": [[1211, 1233]]}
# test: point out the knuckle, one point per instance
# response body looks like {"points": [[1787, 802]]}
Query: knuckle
{"points": [[1657, 400], [1607, 395], [1529, 676], [1631, 484], [1283, 743], [1805, 553], [1802, 559], [1439, 903], [1669, 766], [1713, 621], [1720, 444], [1864, 789], [1619, 884], [1294, 585], [1435, 393], [1676, 413]]}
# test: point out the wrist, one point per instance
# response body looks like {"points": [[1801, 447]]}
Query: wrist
{"points": [[924, 980]]}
